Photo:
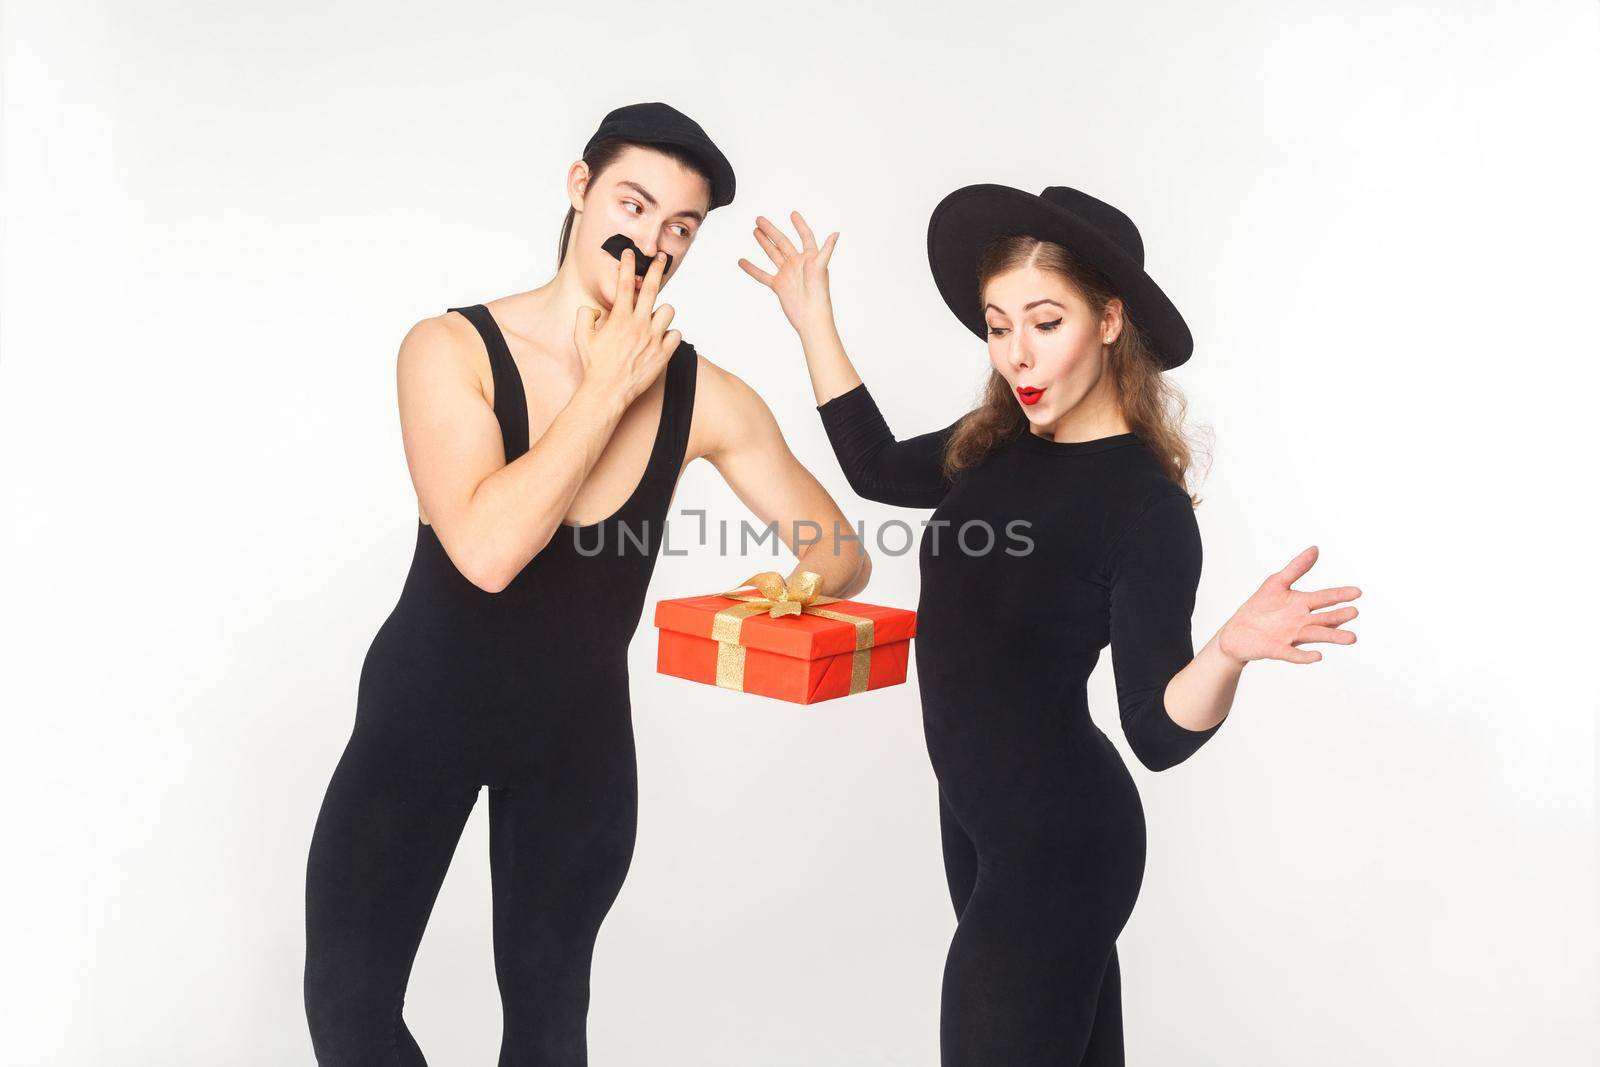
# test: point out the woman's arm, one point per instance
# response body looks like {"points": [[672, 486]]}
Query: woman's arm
{"points": [[1154, 573], [1170, 700], [907, 473]]}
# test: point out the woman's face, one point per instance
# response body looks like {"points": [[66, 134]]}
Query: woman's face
{"points": [[657, 201], [1046, 341]]}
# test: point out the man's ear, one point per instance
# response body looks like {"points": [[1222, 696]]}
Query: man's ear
{"points": [[577, 184]]}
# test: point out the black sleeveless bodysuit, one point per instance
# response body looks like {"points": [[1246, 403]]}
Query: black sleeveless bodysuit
{"points": [[524, 691]]}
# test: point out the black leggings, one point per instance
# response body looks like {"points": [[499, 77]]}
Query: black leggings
{"points": [[561, 835], [382, 844], [1006, 1001]]}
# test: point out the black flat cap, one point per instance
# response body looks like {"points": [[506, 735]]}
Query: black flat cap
{"points": [[658, 123]]}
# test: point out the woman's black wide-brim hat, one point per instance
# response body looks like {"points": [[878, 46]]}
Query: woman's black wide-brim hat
{"points": [[1092, 230]]}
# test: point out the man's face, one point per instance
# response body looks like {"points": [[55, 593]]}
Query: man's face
{"points": [[656, 201]]}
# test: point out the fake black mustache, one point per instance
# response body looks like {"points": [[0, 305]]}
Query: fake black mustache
{"points": [[641, 262]]}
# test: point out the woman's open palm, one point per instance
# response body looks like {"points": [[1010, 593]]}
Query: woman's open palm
{"points": [[1276, 619], [801, 282]]}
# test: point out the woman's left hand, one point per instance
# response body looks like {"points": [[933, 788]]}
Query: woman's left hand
{"points": [[1276, 619]]}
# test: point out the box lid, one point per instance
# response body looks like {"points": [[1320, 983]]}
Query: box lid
{"points": [[805, 636]]}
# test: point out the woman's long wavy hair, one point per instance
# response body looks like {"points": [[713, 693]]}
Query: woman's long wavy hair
{"points": [[600, 156], [1153, 407]]}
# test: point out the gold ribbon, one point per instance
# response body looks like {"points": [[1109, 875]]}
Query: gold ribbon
{"points": [[778, 598]]}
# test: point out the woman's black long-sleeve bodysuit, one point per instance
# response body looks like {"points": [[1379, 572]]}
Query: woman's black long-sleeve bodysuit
{"points": [[524, 691], [1043, 830]]}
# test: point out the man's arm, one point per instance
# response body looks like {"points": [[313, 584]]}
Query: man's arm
{"points": [[491, 516], [748, 450]]}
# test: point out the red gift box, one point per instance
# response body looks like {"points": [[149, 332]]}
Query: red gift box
{"points": [[784, 641]]}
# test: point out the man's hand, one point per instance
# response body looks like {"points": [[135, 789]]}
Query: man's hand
{"points": [[626, 353]]}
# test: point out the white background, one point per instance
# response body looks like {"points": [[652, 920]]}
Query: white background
{"points": [[1379, 219]]}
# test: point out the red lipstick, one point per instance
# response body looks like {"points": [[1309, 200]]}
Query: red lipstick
{"points": [[1028, 394]]}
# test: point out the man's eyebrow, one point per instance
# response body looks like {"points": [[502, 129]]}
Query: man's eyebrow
{"points": [[642, 191], [653, 202], [1030, 307]]}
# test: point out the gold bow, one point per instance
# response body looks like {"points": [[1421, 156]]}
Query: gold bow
{"points": [[779, 598]]}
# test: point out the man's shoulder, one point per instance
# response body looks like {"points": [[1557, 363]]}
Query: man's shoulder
{"points": [[718, 381], [729, 408], [732, 391], [441, 348], [446, 332]]}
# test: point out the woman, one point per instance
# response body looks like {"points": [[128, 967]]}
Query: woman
{"points": [[491, 670], [1062, 524]]}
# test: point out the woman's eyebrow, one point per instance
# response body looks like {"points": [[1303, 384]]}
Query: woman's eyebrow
{"points": [[644, 194], [1029, 307]]}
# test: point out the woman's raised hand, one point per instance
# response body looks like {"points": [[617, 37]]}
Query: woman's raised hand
{"points": [[1276, 620], [802, 278], [623, 355]]}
